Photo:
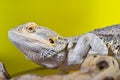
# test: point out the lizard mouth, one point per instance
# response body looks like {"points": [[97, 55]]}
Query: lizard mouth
{"points": [[31, 47], [21, 38]]}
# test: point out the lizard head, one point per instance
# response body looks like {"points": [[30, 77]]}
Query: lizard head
{"points": [[39, 44]]}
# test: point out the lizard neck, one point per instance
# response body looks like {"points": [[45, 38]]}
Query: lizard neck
{"points": [[71, 43]]}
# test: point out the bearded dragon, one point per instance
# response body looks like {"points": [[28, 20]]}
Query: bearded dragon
{"points": [[46, 48]]}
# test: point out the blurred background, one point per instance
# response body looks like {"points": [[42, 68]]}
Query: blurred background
{"points": [[67, 17]]}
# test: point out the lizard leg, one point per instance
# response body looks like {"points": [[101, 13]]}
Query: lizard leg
{"points": [[76, 55], [87, 44], [3, 73], [97, 45]]}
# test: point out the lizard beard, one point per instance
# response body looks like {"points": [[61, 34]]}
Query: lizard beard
{"points": [[44, 56]]}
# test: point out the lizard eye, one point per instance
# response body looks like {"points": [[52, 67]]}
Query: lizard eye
{"points": [[31, 29], [51, 41]]}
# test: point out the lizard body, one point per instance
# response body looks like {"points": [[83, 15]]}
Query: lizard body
{"points": [[111, 37], [45, 47]]}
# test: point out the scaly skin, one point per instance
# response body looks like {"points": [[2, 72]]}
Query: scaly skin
{"points": [[111, 37], [45, 47], [3, 72]]}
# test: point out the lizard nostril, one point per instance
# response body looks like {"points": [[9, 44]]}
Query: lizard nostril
{"points": [[19, 30]]}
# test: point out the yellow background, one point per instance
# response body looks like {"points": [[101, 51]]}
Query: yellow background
{"points": [[67, 17]]}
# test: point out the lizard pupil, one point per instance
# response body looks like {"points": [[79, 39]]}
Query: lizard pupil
{"points": [[51, 41], [30, 28]]}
